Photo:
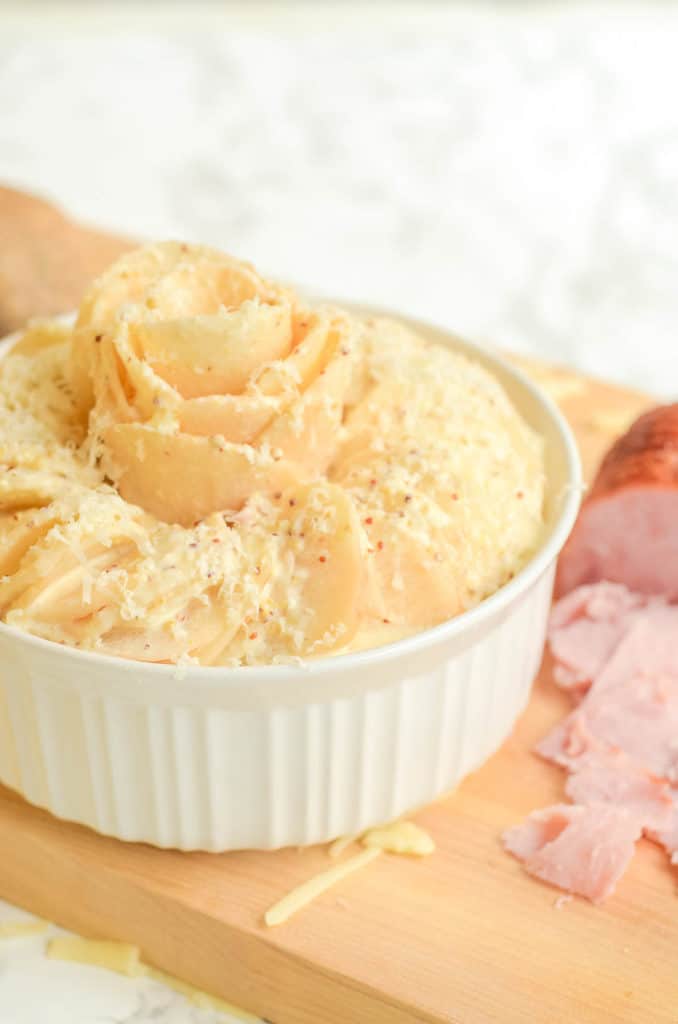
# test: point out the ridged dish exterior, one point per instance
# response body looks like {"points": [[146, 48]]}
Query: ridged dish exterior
{"points": [[176, 766]]}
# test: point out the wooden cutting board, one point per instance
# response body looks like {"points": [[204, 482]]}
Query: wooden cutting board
{"points": [[463, 936]]}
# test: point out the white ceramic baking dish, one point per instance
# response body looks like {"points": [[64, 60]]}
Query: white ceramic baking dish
{"points": [[222, 759]]}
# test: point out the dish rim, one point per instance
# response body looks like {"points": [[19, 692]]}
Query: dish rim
{"points": [[220, 677]]}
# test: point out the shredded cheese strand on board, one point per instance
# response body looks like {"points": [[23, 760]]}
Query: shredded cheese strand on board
{"points": [[305, 893], [120, 957], [401, 837], [22, 929], [340, 845]]}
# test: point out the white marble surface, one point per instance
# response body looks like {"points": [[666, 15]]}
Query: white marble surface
{"points": [[37, 990], [510, 172]]}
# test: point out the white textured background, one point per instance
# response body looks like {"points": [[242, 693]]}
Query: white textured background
{"points": [[508, 170], [511, 171]]}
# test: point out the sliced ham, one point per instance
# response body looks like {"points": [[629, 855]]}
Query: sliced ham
{"points": [[570, 743], [614, 640], [640, 718], [618, 652], [632, 705], [614, 778], [626, 531], [648, 648], [585, 628], [599, 602], [582, 849], [667, 836]]}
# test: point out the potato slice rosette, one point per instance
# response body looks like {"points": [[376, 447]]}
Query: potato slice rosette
{"points": [[207, 383]]}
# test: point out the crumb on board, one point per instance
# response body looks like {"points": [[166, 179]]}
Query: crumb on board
{"points": [[612, 422], [559, 384]]}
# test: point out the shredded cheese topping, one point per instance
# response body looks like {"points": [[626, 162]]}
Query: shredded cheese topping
{"points": [[205, 469]]}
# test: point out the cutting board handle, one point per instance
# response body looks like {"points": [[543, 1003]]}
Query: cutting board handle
{"points": [[46, 259]]}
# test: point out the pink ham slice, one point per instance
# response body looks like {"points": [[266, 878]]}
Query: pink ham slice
{"points": [[614, 778], [582, 849], [585, 628], [633, 703], [667, 836], [648, 648], [626, 531], [598, 602], [618, 651], [639, 718]]}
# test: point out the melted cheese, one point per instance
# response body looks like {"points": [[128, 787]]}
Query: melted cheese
{"points": [[402, 837]]}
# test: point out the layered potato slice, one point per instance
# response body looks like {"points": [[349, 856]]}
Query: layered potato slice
{"points": [[447, 477], [320, 579], [92, 571], [104, 575]]}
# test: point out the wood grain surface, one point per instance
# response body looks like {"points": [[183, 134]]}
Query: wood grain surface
{"points": [[463, 936], [46, 260]]}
